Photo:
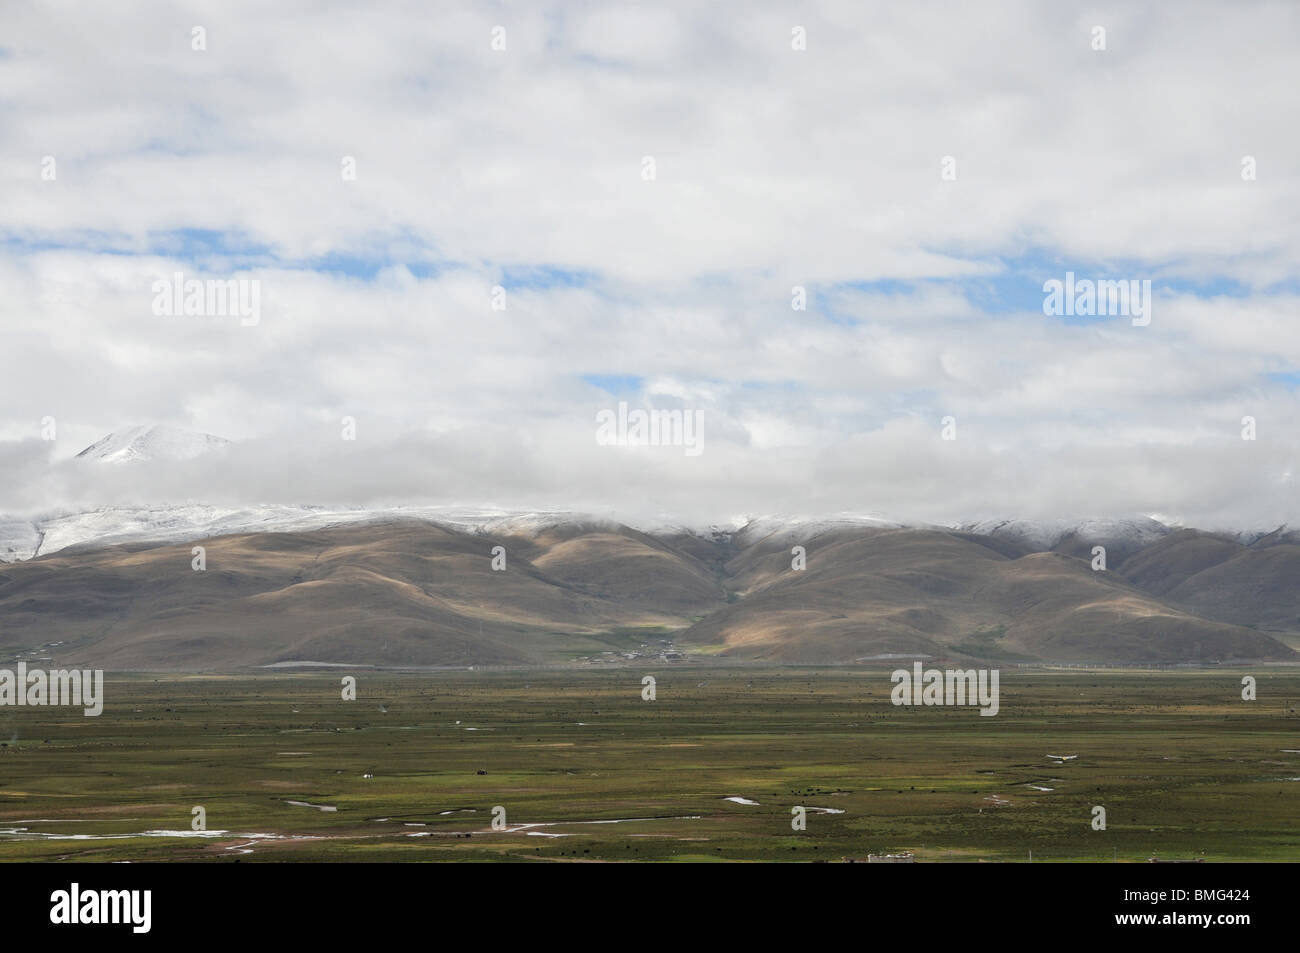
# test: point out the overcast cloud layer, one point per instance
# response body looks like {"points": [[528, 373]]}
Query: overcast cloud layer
{"points": [[773, 168]]}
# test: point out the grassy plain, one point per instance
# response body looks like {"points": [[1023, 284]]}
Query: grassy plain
{"points": [[588, 771]]}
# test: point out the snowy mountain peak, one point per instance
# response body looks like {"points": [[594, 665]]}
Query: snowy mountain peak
{"points": [[156, 442], [1044, 534]]}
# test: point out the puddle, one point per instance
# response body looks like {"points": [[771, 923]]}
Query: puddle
{"points": [[529, 828], [318, 807], [58, 820], [22, 832]]}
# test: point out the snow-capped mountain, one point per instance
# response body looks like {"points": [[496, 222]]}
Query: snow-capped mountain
{"points": [[22, 539], [156, 442], [1044, 534], [108, 526], [25, 538], [786, 529]]}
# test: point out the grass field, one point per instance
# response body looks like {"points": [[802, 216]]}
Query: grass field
{"points": [[1183, 767]]}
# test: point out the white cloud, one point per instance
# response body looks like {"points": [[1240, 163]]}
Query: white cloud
{"points": [[774, 168]]}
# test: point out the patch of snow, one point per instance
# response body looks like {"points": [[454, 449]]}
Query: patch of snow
{"points": [[184, 523], [784, 529], [19, 539], [1042, 535]]}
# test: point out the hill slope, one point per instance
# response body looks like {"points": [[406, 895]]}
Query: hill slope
{"points": [[912, 591], [395, 594], [412, 592]]}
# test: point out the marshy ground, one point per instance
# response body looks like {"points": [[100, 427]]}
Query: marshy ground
{"points": [[586, 770]]}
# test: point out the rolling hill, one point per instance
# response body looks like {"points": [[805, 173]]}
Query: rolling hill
{"points": [[414, 592]]}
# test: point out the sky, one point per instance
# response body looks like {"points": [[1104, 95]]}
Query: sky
{"points": [[474, 227]]}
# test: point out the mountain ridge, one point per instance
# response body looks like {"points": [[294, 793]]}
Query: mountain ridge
{"points": [[411, 592]]}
